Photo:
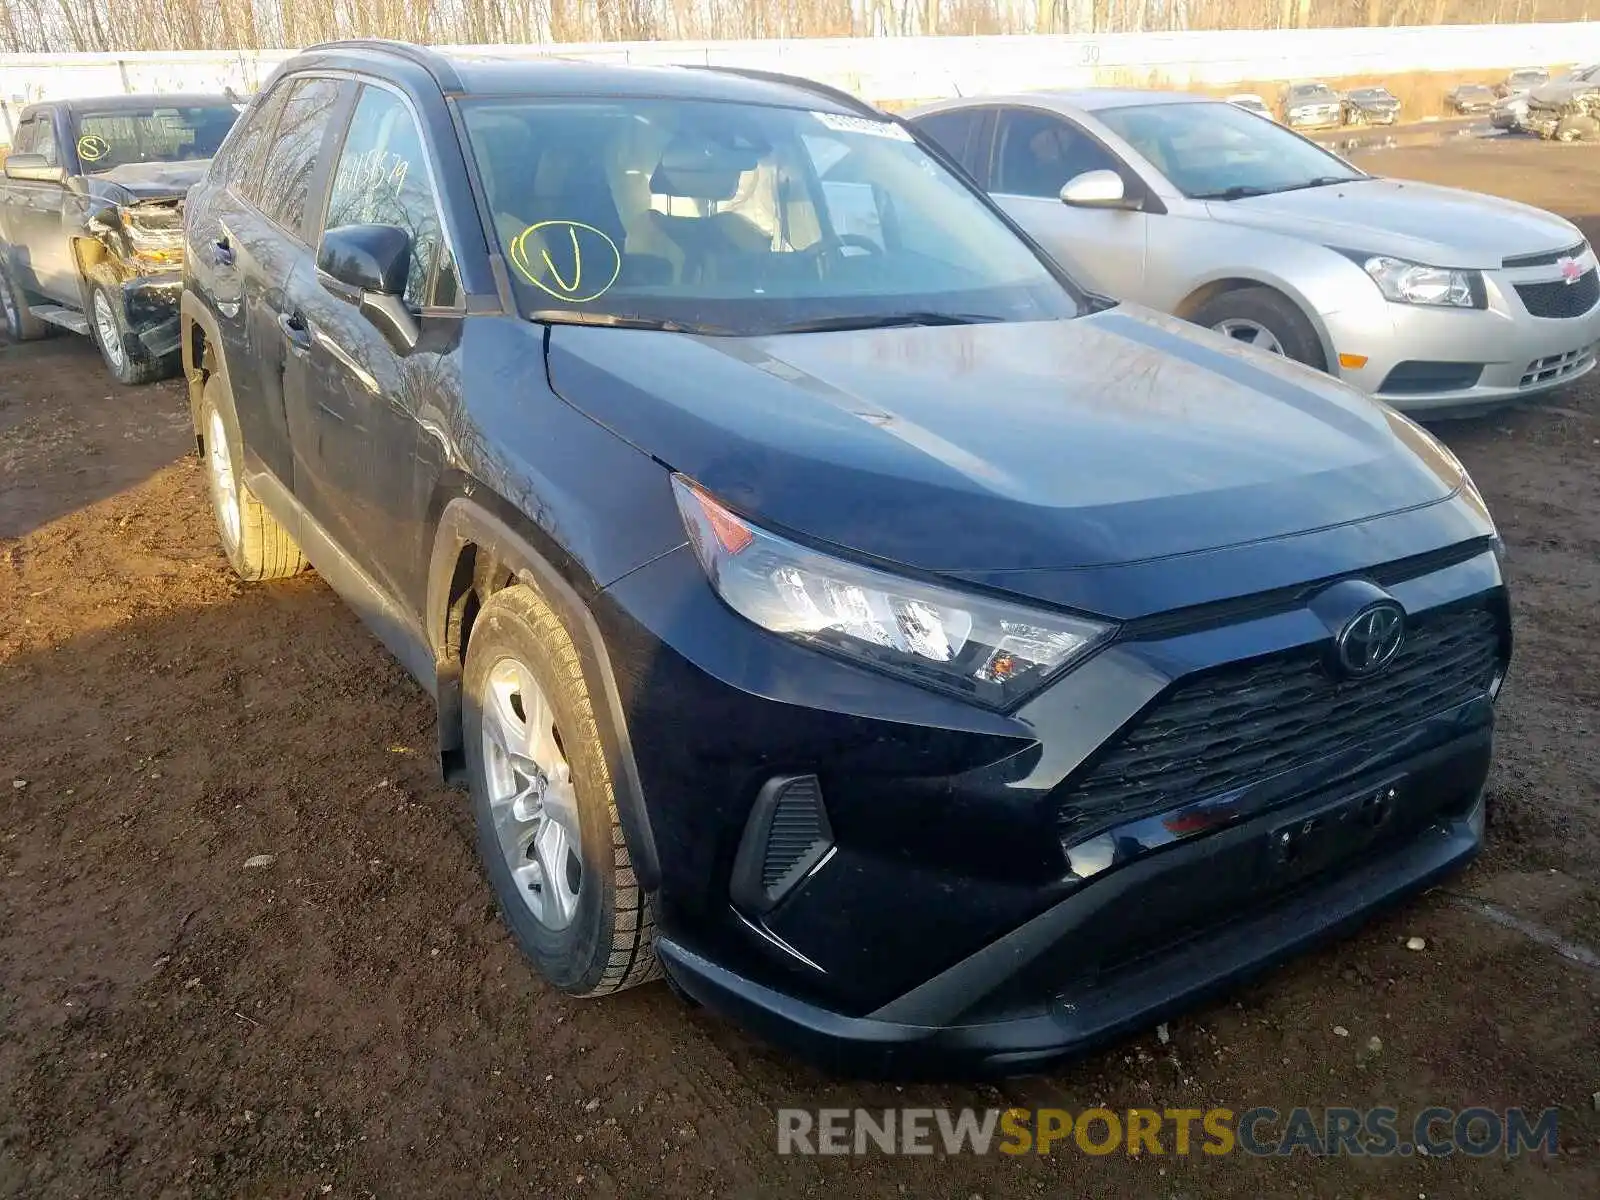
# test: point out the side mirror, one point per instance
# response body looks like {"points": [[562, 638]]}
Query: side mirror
{"points": [[33, 168], [373, 261], [1097, 189]]}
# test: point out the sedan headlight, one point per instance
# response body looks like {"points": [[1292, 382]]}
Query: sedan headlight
{"points": [[1412, 283], [984, 650]]}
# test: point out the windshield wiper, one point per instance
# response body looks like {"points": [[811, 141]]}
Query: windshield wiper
{"points": [[1246, 190], [1324, 181], [562, 316], [886, 321]]}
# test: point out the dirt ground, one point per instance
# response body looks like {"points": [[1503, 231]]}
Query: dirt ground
{"points": [[353, 1020]]}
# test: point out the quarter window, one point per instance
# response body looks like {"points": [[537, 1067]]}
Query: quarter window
{"points": [[382, 179], [1040, 152], [286, 175]]}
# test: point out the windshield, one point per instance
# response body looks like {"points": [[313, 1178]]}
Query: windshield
{"points": [[732, 218], [1310, 93], [121, 136], [1215, 151], [1527, 78], [1371, 94]]}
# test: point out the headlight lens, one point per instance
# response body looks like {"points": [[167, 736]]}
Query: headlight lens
{"points": [[1412, 283], [984, 650]]}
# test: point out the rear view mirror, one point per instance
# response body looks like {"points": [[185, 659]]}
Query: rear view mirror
{"points": [[33, 168], [1097, 189], [373, 261]]}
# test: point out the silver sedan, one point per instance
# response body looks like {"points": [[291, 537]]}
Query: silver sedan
{"points": [[1436, 300]]}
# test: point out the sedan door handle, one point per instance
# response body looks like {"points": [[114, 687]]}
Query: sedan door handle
{"points": [[222, 252], [295, 331]]}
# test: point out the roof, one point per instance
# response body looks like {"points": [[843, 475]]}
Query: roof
{"points": [[136, 103], [490, 73], [1079, 99]]}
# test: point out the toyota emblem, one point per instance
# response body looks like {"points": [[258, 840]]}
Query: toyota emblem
{"points": [[1571, 272], [1370, 640]]}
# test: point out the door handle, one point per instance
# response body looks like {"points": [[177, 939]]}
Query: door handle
{"points": [[222, 252], [295, 331]]}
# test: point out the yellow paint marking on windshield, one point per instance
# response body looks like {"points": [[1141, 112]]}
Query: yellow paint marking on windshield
{"points": [[92, 147], [547, 277]]}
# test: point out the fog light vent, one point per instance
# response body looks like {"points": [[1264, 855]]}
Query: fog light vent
{"points": [[787, 835]]}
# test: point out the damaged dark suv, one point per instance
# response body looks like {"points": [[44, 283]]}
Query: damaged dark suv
{"points": [[826, 602], [91, 221]]}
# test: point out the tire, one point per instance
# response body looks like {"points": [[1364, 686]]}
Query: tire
{"points": [[1234, 313], [124, 355], [17, 321], [256, 545], [580, 917]]}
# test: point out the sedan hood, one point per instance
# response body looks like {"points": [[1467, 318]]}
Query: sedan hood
{"points": [[1443, 227], [1115, 438], [154, 181]]}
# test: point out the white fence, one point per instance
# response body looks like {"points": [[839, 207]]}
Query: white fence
{"points": [[905, 69]]}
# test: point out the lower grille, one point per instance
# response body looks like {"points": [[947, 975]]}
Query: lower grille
{"points": [[1243, 724], [787, 835], [1559, 298], [1556, 366]]}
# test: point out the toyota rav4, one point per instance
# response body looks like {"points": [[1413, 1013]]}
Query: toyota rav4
{"points": [[930, 664]]}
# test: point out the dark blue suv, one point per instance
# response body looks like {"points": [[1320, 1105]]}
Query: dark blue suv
{"points": [[934, 666]]}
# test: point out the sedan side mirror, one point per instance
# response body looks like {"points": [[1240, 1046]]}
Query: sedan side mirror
{"points": [[373, 261], [33, 168], [1098, 189]]}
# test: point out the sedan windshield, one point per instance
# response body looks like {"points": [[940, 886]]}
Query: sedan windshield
{"points": [[719, 217], [1217, 152], [158, 134]]}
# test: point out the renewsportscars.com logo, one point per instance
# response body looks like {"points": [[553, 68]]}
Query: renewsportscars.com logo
{"points": [[1260, 1132]]}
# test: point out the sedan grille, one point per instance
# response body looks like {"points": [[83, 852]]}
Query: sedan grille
{"points": [[1559, 298], [1548, 259], [1245, 723]]}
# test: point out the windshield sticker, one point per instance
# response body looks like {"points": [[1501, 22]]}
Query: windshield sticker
{"points": [[843, 124], [92, 147], [569, 260]]}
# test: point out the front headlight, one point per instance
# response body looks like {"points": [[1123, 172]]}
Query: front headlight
{"points": [[1412, 283], [984, 650]]}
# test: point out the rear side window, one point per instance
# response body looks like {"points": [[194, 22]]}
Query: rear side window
{"points": [[953, 131], [239, 166], [382, 179], [290, 160]]}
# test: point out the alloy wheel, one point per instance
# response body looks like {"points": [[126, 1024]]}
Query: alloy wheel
{"points": [[105, 324], [10, 319], [531, 794], [1251, 333]]}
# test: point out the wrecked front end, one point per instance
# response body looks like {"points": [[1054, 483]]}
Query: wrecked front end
{"points": [[1571, 119], [135, 248]]}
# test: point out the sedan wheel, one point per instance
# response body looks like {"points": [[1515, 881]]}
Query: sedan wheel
{"points": [[1251, 333], [531, 795]]}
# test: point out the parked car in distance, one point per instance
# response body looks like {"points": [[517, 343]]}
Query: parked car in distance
{"points": [[1470, 98], [91, 211], [1510, 113], [1252, 103], [1436, 300], [1566, 107], [1311, 106], [825, 600], [1521, 80], [1371, 106]]}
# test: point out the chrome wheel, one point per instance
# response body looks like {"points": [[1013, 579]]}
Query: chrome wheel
{"points": [[1251, 333], [105, 325], [10, 319], [224, 488], [531, 795]]}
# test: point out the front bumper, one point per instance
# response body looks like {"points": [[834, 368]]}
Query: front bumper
{"points": [[951, 924], [150, 304], [941, 1031], [1519, 355]]}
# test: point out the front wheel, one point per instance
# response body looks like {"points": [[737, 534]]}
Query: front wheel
{"points": [[125, 356], [545, 807], [1265, 319]]}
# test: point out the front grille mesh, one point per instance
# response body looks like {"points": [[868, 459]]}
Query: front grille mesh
{"points": [[1559, 298], [1243, 724]]}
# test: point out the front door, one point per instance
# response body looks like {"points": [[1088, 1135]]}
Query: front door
{"points": [[365, 465], [31, 222], [1035, 154]]}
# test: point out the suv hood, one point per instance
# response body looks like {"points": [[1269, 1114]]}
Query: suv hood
{"points": [[1440, 226], [153, 181], [1561, 91], [1114, 438]]}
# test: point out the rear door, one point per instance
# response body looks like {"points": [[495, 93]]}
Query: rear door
{"points": [[1035, 153], [364, 465]]}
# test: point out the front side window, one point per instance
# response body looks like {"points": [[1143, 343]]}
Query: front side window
{"points": [[735, 218], [1215, 151], [159, 134], [286, 175], [26, 137], [37, 135], [1040, 152], [382, 179]]}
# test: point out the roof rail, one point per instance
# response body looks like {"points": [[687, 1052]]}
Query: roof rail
{"points": [[431, 61], [837, 95]]}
